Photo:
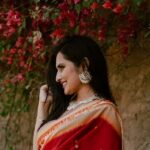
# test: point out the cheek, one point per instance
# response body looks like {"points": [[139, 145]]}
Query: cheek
{"points": [[74, 76], [74, 82], [71, 75], [74, 79]]}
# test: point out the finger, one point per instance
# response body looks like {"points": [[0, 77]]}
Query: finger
{"points": [[44, 87]]}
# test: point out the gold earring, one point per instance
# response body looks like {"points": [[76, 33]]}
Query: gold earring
{"points": [[85, 77]]}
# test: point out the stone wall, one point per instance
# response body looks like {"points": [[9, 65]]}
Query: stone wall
{"points": [[130, 82]]}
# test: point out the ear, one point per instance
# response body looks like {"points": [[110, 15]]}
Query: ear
{"points": [[84, 64]]}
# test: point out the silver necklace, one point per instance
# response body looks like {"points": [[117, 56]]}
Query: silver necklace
{"points": [[74, 104]]}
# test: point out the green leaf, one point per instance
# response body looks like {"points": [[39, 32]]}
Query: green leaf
{"points": [[76, 30], [87, 3], [147, 34], [1, 48], [121, 1], [8, 46], [46, 15], [25, 107], [78, 8], [30, 39], [1, 45], [10, 148], [22, 26], [137, 2], [36, 1], [55, 14], [4, 113]]}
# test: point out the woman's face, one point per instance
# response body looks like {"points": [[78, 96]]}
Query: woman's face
{"points": [[67, 75]]}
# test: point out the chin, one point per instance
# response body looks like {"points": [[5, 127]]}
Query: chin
{"points": [[66, 92]]}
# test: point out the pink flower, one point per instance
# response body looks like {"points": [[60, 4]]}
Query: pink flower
{"points": [[21, 52], [12, 30], [13, 51], [107, 5], [76, 1], [72, 18], [1, 26], [13, 18], [20, 77], [85, 12], [83, 24], [63, 6], [94, 6], [9, 23], [58, 20], [19, 42], [101, 35], [39, 44], [9, 60], [58, 33], [35, 54], [125, 51], [118, 9], [22, 63], [9, 32]]}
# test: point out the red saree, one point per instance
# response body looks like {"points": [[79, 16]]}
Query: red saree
{"points": [[92, 126]]}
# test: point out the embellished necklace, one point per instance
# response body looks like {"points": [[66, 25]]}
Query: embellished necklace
{"points": [[74, 104]]}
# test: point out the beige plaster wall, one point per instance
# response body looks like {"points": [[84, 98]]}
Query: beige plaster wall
{"points": [[130, 82]]}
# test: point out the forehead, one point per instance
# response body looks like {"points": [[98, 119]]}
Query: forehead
{"points": [[61, 60], [60, 57]]}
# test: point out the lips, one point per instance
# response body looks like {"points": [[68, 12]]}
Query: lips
{"points": [[63, 84]]}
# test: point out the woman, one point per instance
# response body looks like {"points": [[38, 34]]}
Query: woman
{"points": [[76, 109]]}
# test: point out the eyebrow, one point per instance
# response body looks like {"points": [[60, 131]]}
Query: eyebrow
{"points": [[60, 65]]}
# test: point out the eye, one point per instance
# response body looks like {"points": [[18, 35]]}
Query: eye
{"points": [[60, 67]]}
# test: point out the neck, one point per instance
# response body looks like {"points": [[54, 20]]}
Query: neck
{"points": [[84, 92]]}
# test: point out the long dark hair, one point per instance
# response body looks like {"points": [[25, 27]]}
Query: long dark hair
{"points": [[75, 48]]}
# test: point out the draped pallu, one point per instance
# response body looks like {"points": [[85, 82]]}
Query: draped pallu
{"points": [[92, 126]]}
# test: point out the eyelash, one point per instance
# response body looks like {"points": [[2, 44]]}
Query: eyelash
{"points": [[61, 68]]}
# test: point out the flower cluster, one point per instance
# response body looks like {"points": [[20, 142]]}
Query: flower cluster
{"points": [[10, 21], [27, 30], [118, 8]]}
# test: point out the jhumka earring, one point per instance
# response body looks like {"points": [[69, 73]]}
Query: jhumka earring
{"points": [[85, 77]]}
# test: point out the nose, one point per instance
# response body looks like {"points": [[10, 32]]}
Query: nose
{"points": [[58, 77]]}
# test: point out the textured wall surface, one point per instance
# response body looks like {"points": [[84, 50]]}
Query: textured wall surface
{"points": [[130, 83]]}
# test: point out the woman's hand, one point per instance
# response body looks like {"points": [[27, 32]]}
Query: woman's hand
{"points": [[45, 94], [45, 101], [44, 106]]}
